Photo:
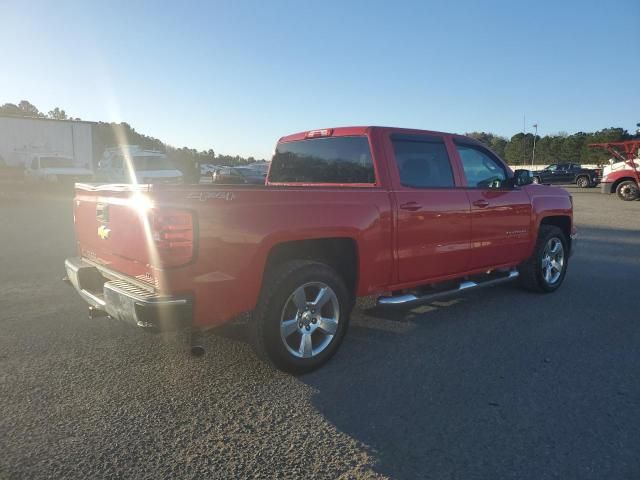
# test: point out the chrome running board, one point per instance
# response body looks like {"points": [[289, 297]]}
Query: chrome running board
{"points": [[464, 286]]}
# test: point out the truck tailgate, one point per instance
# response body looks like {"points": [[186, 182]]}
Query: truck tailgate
{"points": [[112, 230]]}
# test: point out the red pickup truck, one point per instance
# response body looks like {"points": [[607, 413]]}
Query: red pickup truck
{"points": [[404, 215]]}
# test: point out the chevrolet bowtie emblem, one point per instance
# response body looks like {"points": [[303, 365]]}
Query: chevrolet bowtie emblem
{"points": [[104, 232]]}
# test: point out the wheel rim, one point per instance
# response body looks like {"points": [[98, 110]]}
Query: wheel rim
{"points": [[582, 182], [628, 191], [536, 180], [309, 319], [552, 261]]}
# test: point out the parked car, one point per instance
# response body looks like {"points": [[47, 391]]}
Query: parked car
{"points": [[132, 164], [54, 168], [207, 169], [566, 174], [407, 216], [238, 175], [262, 167]]}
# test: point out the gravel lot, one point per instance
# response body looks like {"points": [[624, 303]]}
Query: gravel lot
{"points": [[498, 384]]}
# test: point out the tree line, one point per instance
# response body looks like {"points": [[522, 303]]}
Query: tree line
{"points": [[517, 150], [560, 147]]}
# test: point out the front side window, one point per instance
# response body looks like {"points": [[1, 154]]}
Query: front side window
{"points": [[323, 160], [481, 169], [422, 163], [552, 168]]}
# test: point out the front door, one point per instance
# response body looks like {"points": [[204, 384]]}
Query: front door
{"points": [[500, 214], [434, 223]]}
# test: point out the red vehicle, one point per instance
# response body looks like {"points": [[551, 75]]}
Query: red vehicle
{"points": [[622, 176], [404, 215]]}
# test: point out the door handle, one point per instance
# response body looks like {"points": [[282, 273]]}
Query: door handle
{"points": [[481, 203], [411, 206]]}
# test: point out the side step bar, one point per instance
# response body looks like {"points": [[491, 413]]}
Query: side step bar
{"points": [[464, 286]]}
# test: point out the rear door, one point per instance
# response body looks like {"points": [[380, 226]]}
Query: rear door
{"points": [[500, 215], [433, 216]]}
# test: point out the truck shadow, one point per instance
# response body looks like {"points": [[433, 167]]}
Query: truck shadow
{"points": [[495, 384]]}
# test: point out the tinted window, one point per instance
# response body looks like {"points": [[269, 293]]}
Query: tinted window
{"points": [[323, 160], [423, 164], [481, 169]]}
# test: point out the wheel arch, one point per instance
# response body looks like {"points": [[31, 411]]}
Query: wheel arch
{"points": [[340, 253], [618, 181], [563, 222]]}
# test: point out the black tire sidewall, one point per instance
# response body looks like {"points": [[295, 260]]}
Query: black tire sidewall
{"points": [[621, 186], [550, 233], [270, 328]]}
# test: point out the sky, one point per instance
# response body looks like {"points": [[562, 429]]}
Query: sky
{"points": [[237, 75]]}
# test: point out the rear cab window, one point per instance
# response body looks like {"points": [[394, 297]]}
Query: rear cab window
{"points": [[340, 160]]}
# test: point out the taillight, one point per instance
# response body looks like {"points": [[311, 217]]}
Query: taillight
{"points": [[172, 233]]}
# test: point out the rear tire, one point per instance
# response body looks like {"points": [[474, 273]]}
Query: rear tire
{"points": [[627, 191], [545, 270], [289, 332], [536, 180], [583, 182]]}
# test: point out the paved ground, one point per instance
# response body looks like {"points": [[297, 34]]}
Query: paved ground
{"points": [[499, 384]]}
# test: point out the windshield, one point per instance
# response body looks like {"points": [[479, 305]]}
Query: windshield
{"points": [[56, 162]]}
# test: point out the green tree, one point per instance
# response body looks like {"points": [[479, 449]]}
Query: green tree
{"points": [[57, 114]]}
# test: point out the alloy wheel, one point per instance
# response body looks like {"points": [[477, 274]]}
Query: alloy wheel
{"points": [[553, 259], [309, 319]]}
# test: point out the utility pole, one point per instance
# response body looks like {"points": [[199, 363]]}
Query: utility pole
{"points": [[533, 157], [524, 139]]}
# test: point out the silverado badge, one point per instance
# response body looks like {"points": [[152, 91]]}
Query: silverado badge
{"points": [[104, 232]]}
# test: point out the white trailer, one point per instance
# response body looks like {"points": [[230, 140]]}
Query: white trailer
{"points": [[21, 138]]}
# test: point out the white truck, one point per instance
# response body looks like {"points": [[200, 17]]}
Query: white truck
{"points": [[132, 164], [55, 168]]}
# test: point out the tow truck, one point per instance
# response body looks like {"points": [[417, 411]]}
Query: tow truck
{"points": [[621, 177]]}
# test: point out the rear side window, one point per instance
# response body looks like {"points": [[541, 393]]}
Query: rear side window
{"points": [[323, 160], [423, 163]]}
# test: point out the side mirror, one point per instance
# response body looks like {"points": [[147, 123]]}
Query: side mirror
{"points": [[522, 177]]}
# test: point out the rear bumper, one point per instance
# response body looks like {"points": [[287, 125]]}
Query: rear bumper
{"points": [[125, 300]]}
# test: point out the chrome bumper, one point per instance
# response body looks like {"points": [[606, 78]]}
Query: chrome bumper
{"points": [[124, 300]]}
